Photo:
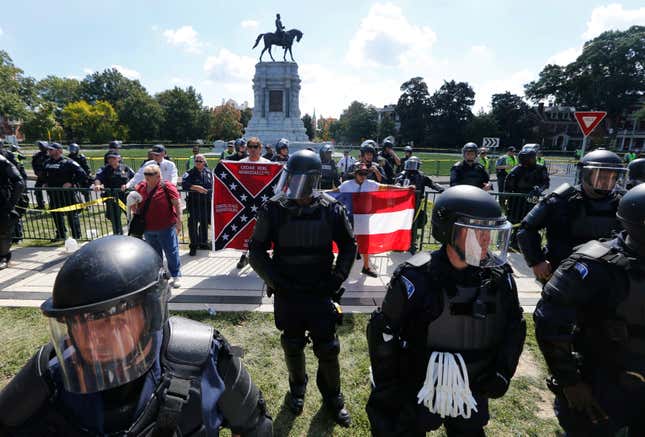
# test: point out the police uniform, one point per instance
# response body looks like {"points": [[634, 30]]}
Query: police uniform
{"points": [[114, 179], [181, 378], [198, 205], [329, 178], [81, 160], [463, 173], [389, 167], [594, 305], [502, 173], [430, 306], [371, 175], [279, 158], [531, 180], [303, 277], [420, 182], [236, 156], [570, 218], [11, 187], [38, 165], [55, 174], [23, 200]]}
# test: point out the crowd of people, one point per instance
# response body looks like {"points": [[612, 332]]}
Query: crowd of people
{"points": [[446, 339]]}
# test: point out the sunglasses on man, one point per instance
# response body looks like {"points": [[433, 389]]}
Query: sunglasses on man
{"points": [[253, 146]]}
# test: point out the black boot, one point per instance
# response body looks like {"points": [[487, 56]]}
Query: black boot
{"points": [[294, 356], [336, 407]]}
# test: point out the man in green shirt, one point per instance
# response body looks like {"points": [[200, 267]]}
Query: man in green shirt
{"points": [[484, 159], [629, 156], [504, 165]]}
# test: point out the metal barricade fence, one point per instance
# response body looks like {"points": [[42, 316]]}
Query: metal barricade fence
{"points": [[101, 213]]}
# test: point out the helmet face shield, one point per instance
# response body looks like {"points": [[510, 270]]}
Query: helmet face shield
{"points": [[297, 186], [603, 178], [106, 345], [482, 243]]}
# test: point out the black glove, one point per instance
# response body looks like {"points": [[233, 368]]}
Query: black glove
{"points": [[491, 385], [580, 398]]}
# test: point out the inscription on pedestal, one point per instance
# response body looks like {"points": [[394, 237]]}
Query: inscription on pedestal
{"points": [[275, 101]]}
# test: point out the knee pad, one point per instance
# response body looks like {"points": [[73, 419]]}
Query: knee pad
{"points": [[292, 345], [326, 350]]}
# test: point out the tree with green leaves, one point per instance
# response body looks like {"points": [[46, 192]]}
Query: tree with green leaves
{"points": [[226, 123], [386, 127], [413, 109], [108, 85], [358, 121], [450, 113], [513, 116], [609, 75], [12, 89], [245, 116], [97, 123], [142, 115], [60, 91], [309, 126], [483, 124], [39, 124], [182, 110]]}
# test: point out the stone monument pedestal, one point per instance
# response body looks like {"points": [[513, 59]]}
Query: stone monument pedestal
{"points": [[276, 109]]}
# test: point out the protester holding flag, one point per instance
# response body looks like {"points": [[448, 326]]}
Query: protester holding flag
{"points": [[301, 226]]}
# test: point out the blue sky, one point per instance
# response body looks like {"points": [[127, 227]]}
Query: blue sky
{"points": [[351, 50]]}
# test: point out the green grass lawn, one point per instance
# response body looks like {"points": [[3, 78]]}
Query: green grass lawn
{"points": [[524, 411]]}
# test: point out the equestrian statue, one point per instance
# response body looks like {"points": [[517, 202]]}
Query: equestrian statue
{"points": [[279, 38]]}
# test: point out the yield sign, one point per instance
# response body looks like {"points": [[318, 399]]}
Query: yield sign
{"points": [[589, 120]]}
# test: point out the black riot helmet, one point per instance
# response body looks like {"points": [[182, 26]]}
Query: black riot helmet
{"points": [[42, 146], [636, 170], [114, 144], [73, 149], [368, 146], [282, 143], [601, 171], [631, 214], [407, 149], [469, 147], [325, 153], [388, 143], [300, 176], [412, 164], [527, 157], [239, 144], [471, 221], [107, 312]]}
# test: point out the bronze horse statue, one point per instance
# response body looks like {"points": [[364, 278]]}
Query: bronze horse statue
{"points": [[274, 39]]}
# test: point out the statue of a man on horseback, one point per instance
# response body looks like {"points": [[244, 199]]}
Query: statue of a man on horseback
{"points": [[279, 38]]}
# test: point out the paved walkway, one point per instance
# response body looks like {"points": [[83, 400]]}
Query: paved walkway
{"points": [[211, 281]]}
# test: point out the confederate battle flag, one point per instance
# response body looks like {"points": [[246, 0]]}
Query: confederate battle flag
{"points": [[239, 190]]}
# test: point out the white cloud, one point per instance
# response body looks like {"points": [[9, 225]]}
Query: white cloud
{"points": [[612, 17], [87, 70], [481, 50], [249, 24], [227, 66], [185, 37], [386, 38], [513, 83], [565, 56], [1, 32], [127, 72]]}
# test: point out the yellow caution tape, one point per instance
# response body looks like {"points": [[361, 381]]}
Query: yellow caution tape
{"points": [[76, 206]]}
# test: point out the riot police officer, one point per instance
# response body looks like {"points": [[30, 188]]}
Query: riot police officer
{"points": [[413, 176], [329, 178], [457, 303], [16, 158], [367, 155], [301, 225], [468, 171], [281, 151], [407, 154], [114, 176], [240, 150], [573, 215], [590, 326], [61, 172], [636, 172], [528, 178], [198, 181], [392, 161], [114, 146], [503, 166], [117, 364], [11, 187], [38, 166], [79, 158]]}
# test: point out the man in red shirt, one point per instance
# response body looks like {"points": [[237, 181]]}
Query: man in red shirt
{"points": [[162, 218]]}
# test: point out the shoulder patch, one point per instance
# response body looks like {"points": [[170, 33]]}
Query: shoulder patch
{"points": [[185, 175], [409, 286], [582, 269]]}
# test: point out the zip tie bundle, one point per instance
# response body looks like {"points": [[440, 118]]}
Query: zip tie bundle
{"points": [[446, 390]]}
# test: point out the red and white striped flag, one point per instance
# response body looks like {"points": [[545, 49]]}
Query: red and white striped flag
{"points": [[382, 220]]}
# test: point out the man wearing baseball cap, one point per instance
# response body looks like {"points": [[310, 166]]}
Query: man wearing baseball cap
{"points": [[168, 168]]}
